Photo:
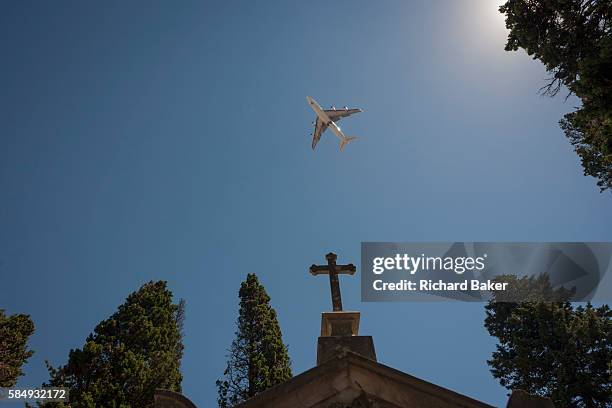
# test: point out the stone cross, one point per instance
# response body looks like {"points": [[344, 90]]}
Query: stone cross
{"points": [[333, 271]]}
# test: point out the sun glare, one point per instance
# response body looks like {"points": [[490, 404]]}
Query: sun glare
{"points": [[491, 18]]}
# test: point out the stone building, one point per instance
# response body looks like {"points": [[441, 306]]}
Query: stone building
{"points": [[348, 375]]}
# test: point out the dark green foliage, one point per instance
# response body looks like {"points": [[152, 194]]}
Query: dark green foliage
{"points": [[130, 354], [258, 358], [531, 289], [573, 39], [14, 333], [551, 348]]}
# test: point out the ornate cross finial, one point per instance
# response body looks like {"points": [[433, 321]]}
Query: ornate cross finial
{"points": [[333, 271]]}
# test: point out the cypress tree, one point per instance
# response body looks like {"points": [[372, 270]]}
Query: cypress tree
{"points": [[129, 355], [14, 333], [258, 358], [548, 347], [573, 39]]}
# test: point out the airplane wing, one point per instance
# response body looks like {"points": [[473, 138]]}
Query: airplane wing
{"points": [[338, 114], [318, 132]]}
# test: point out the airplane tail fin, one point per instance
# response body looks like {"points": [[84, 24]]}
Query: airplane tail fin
{"points": [[346, 141]]}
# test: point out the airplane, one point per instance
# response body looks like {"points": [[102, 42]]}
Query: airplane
{"points": [[328, 118]]}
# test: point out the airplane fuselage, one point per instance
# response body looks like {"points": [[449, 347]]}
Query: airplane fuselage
{"points": [[324, 118]]}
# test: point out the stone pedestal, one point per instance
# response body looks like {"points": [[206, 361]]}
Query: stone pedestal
{"points": [[340, 334], [332, 347], [339, 323]]}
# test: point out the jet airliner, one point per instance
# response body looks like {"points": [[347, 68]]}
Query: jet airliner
{"points": [[328, 118]]}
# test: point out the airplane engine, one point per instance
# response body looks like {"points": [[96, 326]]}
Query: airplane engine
{"points": [[333, 107], [346, 108]]}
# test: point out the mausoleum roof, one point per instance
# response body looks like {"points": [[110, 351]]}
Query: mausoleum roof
{"points": [[350, 380]]}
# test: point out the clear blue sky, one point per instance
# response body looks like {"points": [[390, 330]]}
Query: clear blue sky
{"points": [[170, 140]]}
